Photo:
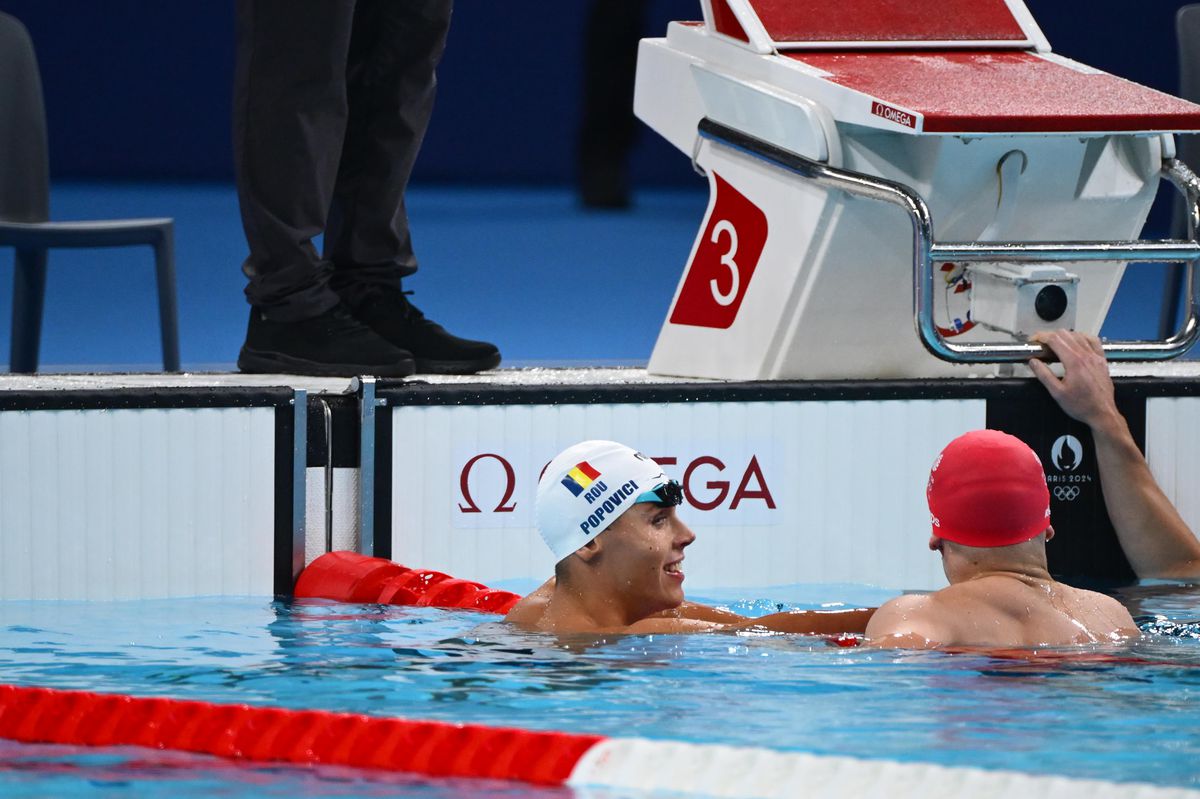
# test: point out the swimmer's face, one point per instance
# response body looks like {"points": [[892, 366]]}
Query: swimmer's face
{"points": [[642, 551]]}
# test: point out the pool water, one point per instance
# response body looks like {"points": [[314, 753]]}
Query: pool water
{"points": [[1125, 714]]}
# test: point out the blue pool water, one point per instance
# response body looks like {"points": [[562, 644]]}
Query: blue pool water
{"points": [[1133, 720]]}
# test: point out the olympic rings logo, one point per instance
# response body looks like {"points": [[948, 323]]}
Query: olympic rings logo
{"points": [[1066, 493]]}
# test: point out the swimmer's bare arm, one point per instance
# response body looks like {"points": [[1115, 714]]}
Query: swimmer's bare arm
{"points": [[667, 625], [802, 622], [1157, 541], [698, 612], [907, 622], [812, 622], [694, 617]]}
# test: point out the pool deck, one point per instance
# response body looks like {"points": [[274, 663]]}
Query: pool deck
{"points": [[543, 376]]}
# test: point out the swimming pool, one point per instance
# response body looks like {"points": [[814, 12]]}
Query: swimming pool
{"points": [[1132, 719]]}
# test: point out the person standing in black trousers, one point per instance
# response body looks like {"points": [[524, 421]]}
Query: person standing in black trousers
{"points": [[331, 102], [608, 129]]}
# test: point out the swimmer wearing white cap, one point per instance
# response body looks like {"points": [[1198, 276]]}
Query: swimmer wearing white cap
{"points": [[607, 513]]}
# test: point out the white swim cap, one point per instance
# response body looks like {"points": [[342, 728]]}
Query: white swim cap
{"points": [[586, 487]]}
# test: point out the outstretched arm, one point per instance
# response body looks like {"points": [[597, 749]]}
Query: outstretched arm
{"points": [[812, 622], [804, 622], [694, 617], [1154, 537], [698, 612]]}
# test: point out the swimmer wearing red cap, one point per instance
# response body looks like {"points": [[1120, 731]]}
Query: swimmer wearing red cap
{"points": [[990, 514], [608, 514]]}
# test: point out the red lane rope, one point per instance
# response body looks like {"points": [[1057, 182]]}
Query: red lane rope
{"points": [[350, 577], [243, 732]]}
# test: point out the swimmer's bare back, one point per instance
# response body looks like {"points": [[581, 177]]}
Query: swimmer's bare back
{"points": [[1002, 610]]}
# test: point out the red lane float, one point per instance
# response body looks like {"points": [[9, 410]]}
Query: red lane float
{"points": [[350, 577], [243, 732], [437, 749]]}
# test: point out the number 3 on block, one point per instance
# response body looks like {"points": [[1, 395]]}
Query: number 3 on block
{"points": [[725, 226], [727, 254]]}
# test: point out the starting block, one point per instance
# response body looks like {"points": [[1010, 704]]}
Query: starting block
{"points": [[837, 136]]}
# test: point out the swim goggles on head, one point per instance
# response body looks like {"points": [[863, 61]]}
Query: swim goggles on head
{"points": [[666, 495]]}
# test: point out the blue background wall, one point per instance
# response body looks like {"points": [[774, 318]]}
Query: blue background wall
{"points": [[139, 89]]}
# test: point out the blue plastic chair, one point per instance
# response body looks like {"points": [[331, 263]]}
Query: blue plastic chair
{"points": [[25, 209]]}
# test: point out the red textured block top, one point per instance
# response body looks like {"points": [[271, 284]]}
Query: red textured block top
{"points": [[888, 20], [997, 91]]}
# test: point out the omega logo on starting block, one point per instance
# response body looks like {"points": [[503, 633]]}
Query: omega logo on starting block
{"points": [[730, 245], [893, 114]]}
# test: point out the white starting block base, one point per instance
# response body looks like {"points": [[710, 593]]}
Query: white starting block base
{"points": [[834, 272]]}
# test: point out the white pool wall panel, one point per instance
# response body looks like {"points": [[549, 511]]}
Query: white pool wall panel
{"points": [[345, 511], [1173, 451], [846, 478], [127, 504]]}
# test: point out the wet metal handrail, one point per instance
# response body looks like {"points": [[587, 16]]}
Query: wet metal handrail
{"points": [[927, 252], [327, 413]]}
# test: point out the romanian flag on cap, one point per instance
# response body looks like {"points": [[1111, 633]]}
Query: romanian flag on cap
{"points": [[580, 477]]}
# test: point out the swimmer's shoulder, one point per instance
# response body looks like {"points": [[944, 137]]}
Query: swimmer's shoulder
{"points": [[911, 621], [530, 609], [903, 605], [1111, 612], [527, 612]]}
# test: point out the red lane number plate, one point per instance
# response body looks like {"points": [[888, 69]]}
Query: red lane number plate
{"points": [[720, 272]]}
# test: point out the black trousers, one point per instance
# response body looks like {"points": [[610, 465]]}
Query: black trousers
{"points": [[608, 129], [331, 102]]}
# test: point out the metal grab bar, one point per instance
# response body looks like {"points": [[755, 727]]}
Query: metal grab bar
{"points": [[927, 252]]}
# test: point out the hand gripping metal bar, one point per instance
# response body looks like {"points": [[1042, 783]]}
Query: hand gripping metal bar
{"points": [[927, 252]]}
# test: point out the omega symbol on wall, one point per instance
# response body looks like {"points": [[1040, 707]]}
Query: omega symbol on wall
{"points": [[510, 485]]}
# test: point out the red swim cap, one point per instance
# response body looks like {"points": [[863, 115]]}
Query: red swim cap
{"points": [[987, 489]]}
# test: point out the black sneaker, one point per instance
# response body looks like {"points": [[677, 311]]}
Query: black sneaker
{"points": [[387, 311], [333, 344]]}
